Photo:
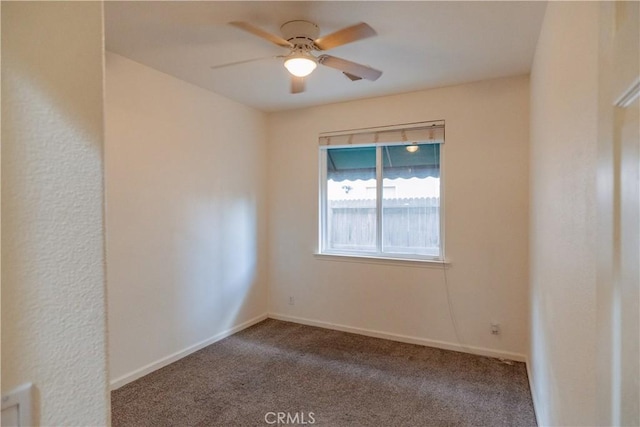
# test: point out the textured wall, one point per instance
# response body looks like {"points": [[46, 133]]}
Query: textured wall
{"points": [[564, 101], [53, 296], [186, 216], [486, 221]]}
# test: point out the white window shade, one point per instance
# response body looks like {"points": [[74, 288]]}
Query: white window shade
{"points": [[421, 133]]}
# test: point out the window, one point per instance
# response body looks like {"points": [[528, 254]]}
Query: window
{"points": [[380, 192]]}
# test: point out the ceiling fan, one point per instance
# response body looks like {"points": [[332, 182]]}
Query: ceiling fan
{"points": [[301, 38]]}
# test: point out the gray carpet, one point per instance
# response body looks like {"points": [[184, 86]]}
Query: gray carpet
{"points": [[325, 378]]}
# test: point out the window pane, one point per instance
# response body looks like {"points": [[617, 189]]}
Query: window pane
{"points": [[411, 199], [351, 199]]}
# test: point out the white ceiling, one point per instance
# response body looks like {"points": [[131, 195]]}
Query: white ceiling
{"points": [[419, 45]]}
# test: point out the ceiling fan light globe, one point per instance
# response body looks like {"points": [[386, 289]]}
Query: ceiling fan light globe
{"points": [[300, 66]]}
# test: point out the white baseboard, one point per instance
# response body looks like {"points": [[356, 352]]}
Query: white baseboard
{"points": [[147, 369], [403, 338], [537, 408]]}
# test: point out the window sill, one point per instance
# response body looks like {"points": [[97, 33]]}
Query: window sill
{"points": [[371, 259]]}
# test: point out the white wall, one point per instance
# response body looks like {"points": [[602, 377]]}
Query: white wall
{"points": [[53, 295], [185, 216], [486, 214], [564, 91]]}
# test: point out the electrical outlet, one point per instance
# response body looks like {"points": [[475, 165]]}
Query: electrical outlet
{"points": [[495, 328], [292, 301]]}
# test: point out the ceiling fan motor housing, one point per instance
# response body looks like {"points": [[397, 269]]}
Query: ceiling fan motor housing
{"points": [[300, 33]]}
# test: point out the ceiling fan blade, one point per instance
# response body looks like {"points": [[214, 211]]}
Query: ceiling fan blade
{"points": [[349, 67], [229, 64], [344, 36], [297, 84], [261, 33], [351, 76]]}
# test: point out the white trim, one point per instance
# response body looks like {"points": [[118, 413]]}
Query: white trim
{"points": [[21, 398], [403, 338], [537, 406], [379, 195], [160, 363], [322, 202], [629, 95], [388, 260], [442, 178]]}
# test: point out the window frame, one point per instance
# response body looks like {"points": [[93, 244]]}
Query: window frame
{"points": [[378, 254]]}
